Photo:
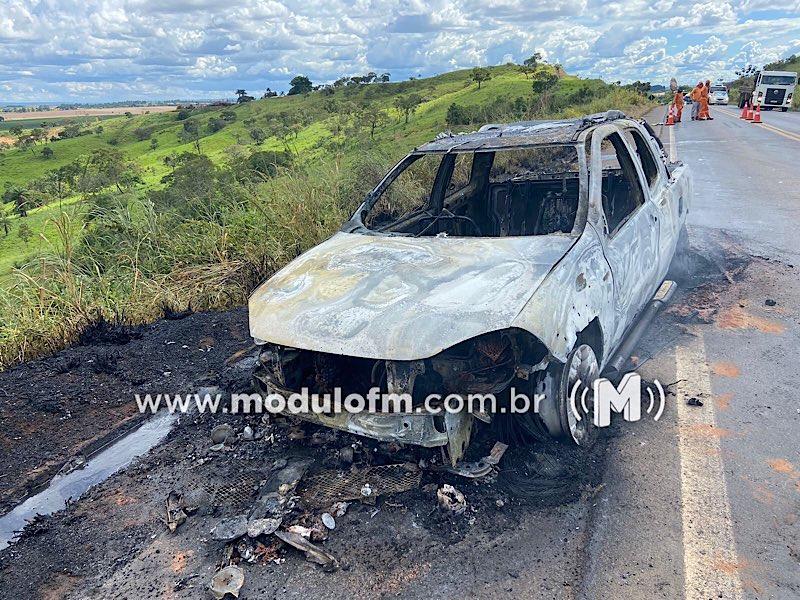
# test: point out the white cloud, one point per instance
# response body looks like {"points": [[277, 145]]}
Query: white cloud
{"points": [[197, 48], [211, 66]]}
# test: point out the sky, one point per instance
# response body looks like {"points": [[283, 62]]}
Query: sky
{"points": [[104, 50]]}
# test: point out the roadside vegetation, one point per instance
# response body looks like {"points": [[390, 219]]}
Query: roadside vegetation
{"points": [[127, 218]]}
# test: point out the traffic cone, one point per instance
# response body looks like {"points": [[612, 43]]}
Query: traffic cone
{"points": [[757, 115], [749, 116], [670, 118], [744, 111]]}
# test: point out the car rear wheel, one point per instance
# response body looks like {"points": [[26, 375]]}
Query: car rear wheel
{"points": [[680, 267], [784, 109]]}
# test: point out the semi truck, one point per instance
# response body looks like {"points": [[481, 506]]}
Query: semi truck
{"points": [[774, 89]]}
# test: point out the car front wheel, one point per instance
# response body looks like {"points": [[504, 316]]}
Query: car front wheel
{"points": [[568, 398]]}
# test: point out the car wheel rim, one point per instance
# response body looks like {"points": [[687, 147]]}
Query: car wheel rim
{"points": [[582, 366]]}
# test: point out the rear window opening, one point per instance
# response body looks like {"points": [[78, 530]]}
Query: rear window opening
{"points": [[516, 192]]}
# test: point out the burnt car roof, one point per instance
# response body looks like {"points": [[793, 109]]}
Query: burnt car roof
{"points": [[520, 133]]}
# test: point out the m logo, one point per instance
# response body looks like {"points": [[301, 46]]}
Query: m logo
{"points": [[625, 398]]}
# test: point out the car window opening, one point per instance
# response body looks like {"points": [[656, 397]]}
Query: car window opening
{"points": [[621, 191], [517, 192], [645, 154]]}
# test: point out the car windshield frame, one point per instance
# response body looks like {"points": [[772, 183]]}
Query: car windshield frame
{"points": [[356, 223]]}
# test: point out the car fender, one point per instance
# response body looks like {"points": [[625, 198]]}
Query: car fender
{"points": [[577, 290]]}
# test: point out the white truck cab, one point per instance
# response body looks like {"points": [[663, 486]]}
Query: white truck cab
{"points": [[775, 89]]}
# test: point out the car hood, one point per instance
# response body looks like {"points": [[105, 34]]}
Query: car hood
{"points": [[400, 298]]}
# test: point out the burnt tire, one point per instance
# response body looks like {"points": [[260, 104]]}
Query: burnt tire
{"points": [[556, 419], [575, 396]]}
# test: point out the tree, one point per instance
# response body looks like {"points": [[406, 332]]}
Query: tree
{"points": [[47, 152], [260, 165], [143, 133], [407, 105], [111, 168], [216, 124], [228, 116], [25, 232], [191, 133], [17, 195], [479, 75], [458, 115], [258, 135], [373, 117], [533, 60], [544, 80], [642, 87], [300, 85], [5, 220]]}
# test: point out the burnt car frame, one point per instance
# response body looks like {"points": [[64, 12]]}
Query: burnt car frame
{"points": [[532, 275]]}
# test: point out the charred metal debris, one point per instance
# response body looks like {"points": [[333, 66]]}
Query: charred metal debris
{"points": [[488, 365]]}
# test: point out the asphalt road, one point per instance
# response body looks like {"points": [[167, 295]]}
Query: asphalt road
{"points": [[705, 502]]}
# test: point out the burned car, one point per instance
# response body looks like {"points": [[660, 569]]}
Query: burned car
{"points": [[522, 255]]}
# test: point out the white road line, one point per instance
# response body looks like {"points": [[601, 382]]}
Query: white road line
{"points": [[710, 563]]}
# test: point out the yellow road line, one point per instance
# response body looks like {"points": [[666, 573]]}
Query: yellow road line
{"points": [[787, 134], [709, 550]]}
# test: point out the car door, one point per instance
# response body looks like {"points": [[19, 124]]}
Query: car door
{"points": [[668, 201], [630, 224]]}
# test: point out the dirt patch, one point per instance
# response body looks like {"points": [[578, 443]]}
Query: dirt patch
{"points": [[85, 112], [386, 546], [729, 567], [737, 318], [783, 466], [723, 401], [725, 369]]}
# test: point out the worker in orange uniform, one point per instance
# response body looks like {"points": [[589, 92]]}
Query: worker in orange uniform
{"points": [[704, 114], [678, 103], [697, 92]]}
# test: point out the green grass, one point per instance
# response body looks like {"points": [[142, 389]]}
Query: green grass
{"points": [[14, 252]]}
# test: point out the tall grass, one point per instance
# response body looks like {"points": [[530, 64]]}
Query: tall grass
{"points": [[135, 260]]}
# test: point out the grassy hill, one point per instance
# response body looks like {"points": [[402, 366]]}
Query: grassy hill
{"points": [[129, 215]]}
